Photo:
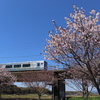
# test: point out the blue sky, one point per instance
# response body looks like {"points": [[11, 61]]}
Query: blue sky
{"points": [[24, 25]]}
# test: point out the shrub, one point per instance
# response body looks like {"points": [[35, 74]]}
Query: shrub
{"points": [[82, 98]]}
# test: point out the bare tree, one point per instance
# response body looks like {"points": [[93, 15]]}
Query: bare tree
{"points": [[6, 79], [78, 44], [38, 81]]}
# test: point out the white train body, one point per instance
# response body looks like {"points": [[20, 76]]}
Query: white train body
{"points": [[26, 66]]}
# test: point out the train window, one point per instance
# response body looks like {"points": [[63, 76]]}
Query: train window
{"points": [[41, 63], [38, 64], [17, 66], [26, 65], [8, 66]]}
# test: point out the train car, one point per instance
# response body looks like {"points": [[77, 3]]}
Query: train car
{"points": [[26, 66]]}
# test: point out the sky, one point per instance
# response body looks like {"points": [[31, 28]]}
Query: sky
{"points": [[24, 25]]}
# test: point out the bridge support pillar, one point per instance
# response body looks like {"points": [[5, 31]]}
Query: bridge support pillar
{"points": [[59, 90]]}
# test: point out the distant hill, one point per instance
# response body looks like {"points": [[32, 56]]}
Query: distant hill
{"points": [[94, 91], [74, 93]]}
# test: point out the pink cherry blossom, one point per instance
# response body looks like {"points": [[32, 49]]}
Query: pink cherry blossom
{"points": [[77, 44]]}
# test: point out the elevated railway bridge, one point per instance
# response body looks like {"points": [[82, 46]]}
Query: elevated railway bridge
{"points": [[58, 86]]}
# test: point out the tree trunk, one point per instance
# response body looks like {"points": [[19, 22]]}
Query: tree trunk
{"points": [[93, 78], [39, 97], [98, 89], [0, 93], [85, 90]]}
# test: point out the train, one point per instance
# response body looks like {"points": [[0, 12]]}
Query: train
{"points": [[26, 66]]}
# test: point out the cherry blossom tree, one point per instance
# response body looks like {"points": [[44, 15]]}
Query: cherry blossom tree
{"points": [[80, 81], [38, 81], [6, 79], [78, 44]]}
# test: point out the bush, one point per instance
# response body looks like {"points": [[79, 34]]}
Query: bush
{"points": [[22, 99], [17, 99], [82, 98]]}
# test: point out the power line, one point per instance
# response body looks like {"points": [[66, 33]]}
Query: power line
{"points": [[16, 49], [25, 47], [19, 56], [18, 46]]}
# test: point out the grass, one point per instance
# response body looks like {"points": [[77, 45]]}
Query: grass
{"points": [[31, 96], [44, 97], [81, 98]]}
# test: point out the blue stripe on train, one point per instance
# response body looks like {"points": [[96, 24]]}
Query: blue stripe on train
{"points": [[22, 69]]}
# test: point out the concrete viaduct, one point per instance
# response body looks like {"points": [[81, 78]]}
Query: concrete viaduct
{"points": [[58, 88]]}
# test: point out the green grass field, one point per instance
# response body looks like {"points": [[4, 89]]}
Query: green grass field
{"points": [[81, 98], [31, 96], [44, 97]]}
